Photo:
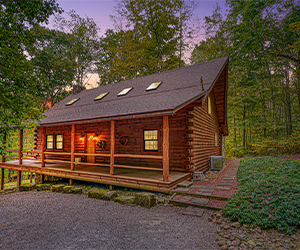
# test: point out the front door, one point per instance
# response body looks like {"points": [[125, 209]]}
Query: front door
{"points": [[90, 147]]}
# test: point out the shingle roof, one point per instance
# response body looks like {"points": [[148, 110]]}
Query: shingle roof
{"points": [[178, 86]]}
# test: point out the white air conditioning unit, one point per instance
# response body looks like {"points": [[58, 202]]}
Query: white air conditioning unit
{"points": [[216, 163]]}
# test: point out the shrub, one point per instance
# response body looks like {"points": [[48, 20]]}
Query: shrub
{"points": [[269, 194]]}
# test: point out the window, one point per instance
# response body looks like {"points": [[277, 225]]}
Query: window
{"points": [[49, 139], [150, 139], [99, 97], [58, 141], [216, 139], [71, 102], [124, 91], [153, 86], [209, 105]]}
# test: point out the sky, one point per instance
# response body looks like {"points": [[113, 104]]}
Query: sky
{"points": [[100, 10]]}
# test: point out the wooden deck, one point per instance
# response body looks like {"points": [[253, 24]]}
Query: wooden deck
{"points": [[131, 178]]}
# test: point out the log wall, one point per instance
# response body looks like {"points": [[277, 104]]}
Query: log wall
{"points": [[133, 129], [201, 134]]}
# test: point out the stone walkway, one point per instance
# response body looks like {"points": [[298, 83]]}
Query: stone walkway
{"points": [[213, 195]]}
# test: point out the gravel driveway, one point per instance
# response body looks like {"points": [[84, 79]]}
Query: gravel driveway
{"points": [[46, 220]]}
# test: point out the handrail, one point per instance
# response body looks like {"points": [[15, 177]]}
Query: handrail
{"points": [[158, 157], [12, 150], [87, 154], [142, 168], [56, 153]]}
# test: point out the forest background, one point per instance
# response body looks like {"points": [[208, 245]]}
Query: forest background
{"points": [[39, 65]]}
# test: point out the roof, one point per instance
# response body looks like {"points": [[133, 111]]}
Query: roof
{"points": [[179, 87]]}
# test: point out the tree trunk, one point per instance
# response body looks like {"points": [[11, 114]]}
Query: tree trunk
{"points": [[244, 127], [273, 101]]}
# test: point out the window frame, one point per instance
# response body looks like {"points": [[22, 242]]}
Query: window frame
{"points": [[62, 142], [54, 148], [158, 141], [52, 142]]}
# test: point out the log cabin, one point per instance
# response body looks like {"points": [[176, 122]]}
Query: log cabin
{"points": [[147, 133]]}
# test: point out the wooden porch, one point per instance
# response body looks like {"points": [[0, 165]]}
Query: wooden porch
{"points": [[131, 178]]}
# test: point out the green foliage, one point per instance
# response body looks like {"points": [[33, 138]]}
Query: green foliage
{"points": [[262, 40], [84, 44], [263, 147], [50, 56], [18, 85], [151, 37], [268, 195]]}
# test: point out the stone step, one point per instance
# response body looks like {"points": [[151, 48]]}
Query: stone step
{"points": [[224, 184], [185, 184], [212, 197], [193, 211], [210, 187], [188, 204]]}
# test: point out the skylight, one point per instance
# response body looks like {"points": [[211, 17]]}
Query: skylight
{"points": [[73, 101], [153, 86], [125, 91], [99, 97]]}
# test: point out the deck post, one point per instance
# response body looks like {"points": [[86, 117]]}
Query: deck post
{"points": [[43, 146], [3, 143], [166, 148], [112, 147], [72, 147], [19, 180], [21, 146], [2, 179], [3, 160]]}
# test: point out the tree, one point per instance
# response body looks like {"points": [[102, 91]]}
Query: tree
{"points": [[17, 82], [84, 43], [160, 28], [50, 57], [262, 40]]}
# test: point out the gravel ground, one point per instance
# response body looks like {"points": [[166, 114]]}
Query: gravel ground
{"points": [[46, 220]]}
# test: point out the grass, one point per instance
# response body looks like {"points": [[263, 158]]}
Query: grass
{"points": [[12, 185], [269, 194]]}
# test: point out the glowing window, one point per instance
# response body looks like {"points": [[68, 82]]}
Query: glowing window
{"points": [[151, 140], [153, 86], [73, 101], [50, 141], [99, 97], [125, 91], [216, 139], [58, 141]]}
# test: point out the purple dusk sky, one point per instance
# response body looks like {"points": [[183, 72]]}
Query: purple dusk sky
{"points": [[100, 10]]}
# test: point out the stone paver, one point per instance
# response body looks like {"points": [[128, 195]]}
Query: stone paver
{"points": [[185, 184], [180, 189], [186, 199], [193, 211], [200, 201]]}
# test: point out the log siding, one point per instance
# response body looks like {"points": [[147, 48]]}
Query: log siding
{"points": [[201, 133]]}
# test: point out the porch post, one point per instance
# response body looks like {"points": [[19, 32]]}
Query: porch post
{"points": [[3, 143], [72, 147], [3, 160], [21, 146], [43, 146], [112, 147], [166, 148], [19, 180]]}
